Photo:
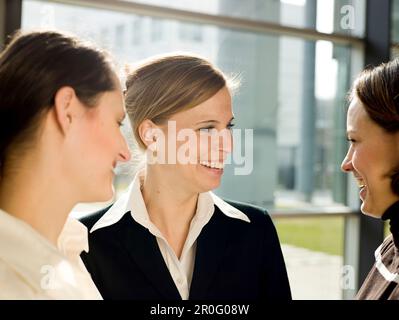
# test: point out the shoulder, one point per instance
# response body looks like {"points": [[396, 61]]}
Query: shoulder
{"points": [[13, 286], [258, 216], [387, 247], [252, 211], [90, 219], [255, 213], [260, 232]]}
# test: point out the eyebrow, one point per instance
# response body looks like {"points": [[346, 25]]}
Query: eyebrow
{"points": [[213, 121]]}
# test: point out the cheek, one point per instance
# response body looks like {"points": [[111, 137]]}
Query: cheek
{"points": [[203, 146], [362, 160], [374, 167], [192, 147], [208, 147], [356, 162], [228, 142], [392, 160], [101, 141]]}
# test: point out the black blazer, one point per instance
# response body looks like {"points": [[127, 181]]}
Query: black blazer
{"points": [[234, 260]]}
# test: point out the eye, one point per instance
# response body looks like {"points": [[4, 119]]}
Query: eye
{"points": [[350, 140], [120, 123], [230, 126], [206, 129]]}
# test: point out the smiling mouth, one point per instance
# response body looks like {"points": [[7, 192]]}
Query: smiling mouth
{"points": [[359, 180], [212, 165], [361, 185], [362, 188]]}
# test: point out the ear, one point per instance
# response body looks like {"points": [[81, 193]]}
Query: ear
{"points": [[63, 107], [147, 130]]}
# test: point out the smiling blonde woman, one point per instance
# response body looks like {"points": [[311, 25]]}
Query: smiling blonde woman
{"points": [[170, 237]]}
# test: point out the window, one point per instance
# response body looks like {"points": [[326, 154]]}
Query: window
{"points": [[136, 31], [120, 36], [156, 30], [190, 32], [338, 16], [291, 102]]}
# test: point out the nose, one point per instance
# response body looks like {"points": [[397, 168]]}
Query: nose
{"points": [[346, 165], [226, 141], [124, 153]]}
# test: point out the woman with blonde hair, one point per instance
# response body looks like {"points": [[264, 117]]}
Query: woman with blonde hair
{"points": [[60, 110], [169, 237]]}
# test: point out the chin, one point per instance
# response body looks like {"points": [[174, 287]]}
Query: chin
{"points": [[210, 186], [374, 213]]}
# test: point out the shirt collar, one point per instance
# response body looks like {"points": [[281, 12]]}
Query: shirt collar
{"points": [[228, 209], [132, 200], [121, 206], [383, 270], [73, 239]]}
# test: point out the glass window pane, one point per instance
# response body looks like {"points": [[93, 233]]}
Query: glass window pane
{"points": [[340, 16], [395, 21], [313, 251]]}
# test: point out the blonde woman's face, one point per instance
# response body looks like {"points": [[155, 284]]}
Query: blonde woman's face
{"points": [[202, 139], [373, 154]]}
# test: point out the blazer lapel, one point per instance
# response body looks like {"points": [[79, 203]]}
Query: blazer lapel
{"points": [[143, 249], [211, 245]]}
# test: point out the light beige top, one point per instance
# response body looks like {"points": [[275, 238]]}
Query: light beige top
{"points": [[31, 267], [181, 269]]}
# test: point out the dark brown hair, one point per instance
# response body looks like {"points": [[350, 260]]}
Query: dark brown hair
{"points": [[33, 67], [378, 90]]}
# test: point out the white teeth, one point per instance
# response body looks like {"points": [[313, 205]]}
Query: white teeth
{"points": [[360, 184], [215, 165]]}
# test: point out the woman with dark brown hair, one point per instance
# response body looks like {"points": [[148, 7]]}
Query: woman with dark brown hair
{"points": [[60, 111], [373, 158]]}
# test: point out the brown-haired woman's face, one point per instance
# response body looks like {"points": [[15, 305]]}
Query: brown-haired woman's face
{"points": [[203, 140], [373, 154], [97, 144]]}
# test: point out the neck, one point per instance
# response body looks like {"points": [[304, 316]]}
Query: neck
{"points": [[392, 214], [37, 197], [169, 206]]}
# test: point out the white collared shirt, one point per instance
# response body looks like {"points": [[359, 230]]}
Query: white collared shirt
{"points": [[181, 269], [31, 267]]}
